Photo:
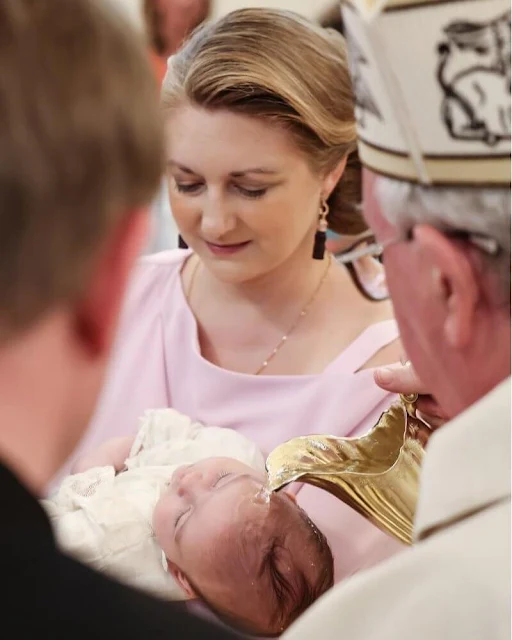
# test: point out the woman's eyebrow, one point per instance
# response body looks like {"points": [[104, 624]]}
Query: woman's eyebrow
{"points": [[259, 170], [181, 167], [266, 171]]}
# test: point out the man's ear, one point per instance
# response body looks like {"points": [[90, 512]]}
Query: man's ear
{"points": [[97, 310], [182, 580], [453, 287]]}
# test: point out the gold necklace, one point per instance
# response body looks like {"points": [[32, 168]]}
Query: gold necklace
{"points": [[292, 328]]}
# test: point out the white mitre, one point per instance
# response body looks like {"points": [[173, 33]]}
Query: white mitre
{"points": [[432, 86]]}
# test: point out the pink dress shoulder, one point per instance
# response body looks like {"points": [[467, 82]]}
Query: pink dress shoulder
{"points": [[157, 363]]}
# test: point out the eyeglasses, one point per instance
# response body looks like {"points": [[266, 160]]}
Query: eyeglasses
{"points": [[363, 259]]}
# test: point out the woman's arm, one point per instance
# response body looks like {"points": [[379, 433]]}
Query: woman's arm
{"points": [[113, 452]]}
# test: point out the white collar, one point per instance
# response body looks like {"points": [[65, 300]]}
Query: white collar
{"points": [[467, 466]]}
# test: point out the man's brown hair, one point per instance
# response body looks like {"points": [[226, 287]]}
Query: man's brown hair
{"points": [[81, 146]]}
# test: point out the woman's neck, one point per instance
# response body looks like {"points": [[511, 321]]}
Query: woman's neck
{"points": [[293, 281]]}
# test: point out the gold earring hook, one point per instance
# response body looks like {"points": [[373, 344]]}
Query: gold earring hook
{"points": [[322, 218]]}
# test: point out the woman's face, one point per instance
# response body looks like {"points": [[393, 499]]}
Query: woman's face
{"points": [[243, 196]]}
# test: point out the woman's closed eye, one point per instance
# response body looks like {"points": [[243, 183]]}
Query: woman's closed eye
{"points": [[252, 193], [193, 188], [188, 187]]}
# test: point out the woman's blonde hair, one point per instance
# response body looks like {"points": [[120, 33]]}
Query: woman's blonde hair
{"points": [[276, 65]]}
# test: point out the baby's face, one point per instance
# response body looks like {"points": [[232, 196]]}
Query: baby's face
{"points": [[218, 535], [202, 504], [198, 521]]}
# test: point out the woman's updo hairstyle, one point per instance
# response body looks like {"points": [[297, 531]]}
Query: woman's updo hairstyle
{"points": [[275, 65]]}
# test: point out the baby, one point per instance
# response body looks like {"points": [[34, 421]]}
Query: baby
{"points": [[177, 511]]}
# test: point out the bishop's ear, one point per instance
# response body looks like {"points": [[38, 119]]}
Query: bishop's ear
{"points": [[453, 287]]}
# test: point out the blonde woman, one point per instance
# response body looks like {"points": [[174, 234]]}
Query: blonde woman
{"points": [[246, 329]]}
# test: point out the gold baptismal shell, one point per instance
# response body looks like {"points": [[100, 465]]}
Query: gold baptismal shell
{"points": [[376, 474]]}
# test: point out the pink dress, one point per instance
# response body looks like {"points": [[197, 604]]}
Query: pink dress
{"points": [[157, 363]]}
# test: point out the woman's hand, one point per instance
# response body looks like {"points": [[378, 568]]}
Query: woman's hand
{"points": [[402, 378]]}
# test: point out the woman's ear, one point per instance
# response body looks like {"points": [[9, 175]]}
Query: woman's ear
{"points": [[182, 580], [333, 177]]}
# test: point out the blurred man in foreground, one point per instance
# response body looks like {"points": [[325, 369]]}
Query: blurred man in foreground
{"points": [[80, 158]]}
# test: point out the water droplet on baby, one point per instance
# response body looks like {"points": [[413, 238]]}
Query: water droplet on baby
{"points": [[263, 495]]}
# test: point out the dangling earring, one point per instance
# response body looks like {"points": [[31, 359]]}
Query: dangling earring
{"points": [[320, 235]]}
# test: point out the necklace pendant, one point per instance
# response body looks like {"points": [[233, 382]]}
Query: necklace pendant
{"points": [[301, 315]]}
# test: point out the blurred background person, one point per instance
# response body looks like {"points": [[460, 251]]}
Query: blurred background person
{"points": [[310, 9], [167, 24], [331, 18]]}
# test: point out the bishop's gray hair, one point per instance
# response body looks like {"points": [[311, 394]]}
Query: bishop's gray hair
{"points": [[481, 211]]}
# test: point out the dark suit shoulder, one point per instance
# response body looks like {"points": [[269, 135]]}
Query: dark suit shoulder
{"points": [[50, 593]]}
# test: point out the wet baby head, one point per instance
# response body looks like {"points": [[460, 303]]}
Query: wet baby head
{"points": [[257, 565]]}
